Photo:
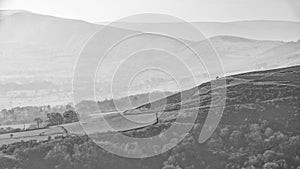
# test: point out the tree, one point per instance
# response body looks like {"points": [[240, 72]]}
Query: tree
{"points": [[270, 165], [55, 119], [38, 121], [70, 116], [236, 137], [169, 167], [269, 155], [59, 157]]}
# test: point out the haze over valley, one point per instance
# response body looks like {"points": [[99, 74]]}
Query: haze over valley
{"points": [[140, 84], [39, 53]]}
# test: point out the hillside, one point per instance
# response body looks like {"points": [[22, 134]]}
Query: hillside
{"points": [[259, 129], [250, 97]]}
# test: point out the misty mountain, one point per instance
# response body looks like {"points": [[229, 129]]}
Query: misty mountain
{"points": [[256, 29], [36, 48], [27, 37]]}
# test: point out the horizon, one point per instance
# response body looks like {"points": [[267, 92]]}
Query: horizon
{"points": [[154, 22], [227, 11]]}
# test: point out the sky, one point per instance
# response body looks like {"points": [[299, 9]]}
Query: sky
{"points": [[190, 10]]}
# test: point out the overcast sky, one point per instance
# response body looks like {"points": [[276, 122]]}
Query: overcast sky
{"points": [[190, 10]]}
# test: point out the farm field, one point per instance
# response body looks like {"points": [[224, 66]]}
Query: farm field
{"points": [[113, 122]]}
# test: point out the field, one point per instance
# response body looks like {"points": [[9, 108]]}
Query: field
{"points": [[97, 124]]}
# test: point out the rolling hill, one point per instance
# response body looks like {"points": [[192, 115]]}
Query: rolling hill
{"points": [[37, 48], [255, 29], [259, 128]]}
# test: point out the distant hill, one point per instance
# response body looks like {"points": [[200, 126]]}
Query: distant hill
{"points": [[27, 37], [255, 29], [36, 48]]}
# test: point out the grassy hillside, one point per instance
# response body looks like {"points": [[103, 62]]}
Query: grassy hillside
{"points": [[259, 129]]}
